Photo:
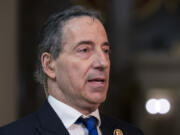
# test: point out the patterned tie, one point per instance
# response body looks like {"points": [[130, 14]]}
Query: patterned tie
{"points": [[90, 123]]}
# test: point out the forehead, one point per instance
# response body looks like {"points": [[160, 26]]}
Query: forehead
{"points": [[85, 28], [82, 20]]}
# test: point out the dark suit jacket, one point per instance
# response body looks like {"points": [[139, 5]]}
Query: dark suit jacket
{"points": [[46, 122]]}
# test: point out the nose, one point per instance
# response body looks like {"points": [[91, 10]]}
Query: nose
{"points": [[101, 60]]}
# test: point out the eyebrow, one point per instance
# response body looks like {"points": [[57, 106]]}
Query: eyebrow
{"points": [[89, 42], [85, 42], [106, 43]]}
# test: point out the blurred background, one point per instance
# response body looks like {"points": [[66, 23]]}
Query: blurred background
{"points": [[145, 59]]}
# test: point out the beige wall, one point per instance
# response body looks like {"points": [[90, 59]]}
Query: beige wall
{"points": [[8, 61]]}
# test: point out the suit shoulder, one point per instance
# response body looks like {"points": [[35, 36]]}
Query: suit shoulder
{"points": [[24, 126], [115, 123]]}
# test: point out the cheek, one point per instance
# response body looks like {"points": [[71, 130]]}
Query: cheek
{"points": [[77, 75], [78, 67], [76, 72]]}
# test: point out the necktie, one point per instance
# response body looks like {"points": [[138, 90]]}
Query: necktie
{"points": [[90, 123]]}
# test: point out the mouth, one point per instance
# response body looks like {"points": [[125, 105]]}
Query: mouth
{"points": [[97, 82]]}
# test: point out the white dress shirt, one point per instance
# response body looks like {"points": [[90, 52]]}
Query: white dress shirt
{"points": [[69, 115]]}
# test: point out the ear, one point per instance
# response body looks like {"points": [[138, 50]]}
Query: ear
{"points": [[48, 65]]}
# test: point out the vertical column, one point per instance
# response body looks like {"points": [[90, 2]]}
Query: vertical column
{"points": [[121, 14], [122, 83], [8, 47]]}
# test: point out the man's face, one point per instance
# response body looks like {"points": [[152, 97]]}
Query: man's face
{"points": [[82, 68]]}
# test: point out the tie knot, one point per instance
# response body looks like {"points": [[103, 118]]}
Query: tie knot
{"points": [[90, 123]]}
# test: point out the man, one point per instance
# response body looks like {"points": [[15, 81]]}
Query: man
{"points": [[73, 67]]}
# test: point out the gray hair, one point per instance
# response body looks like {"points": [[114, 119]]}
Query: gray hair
{"points": [[51, 34]]}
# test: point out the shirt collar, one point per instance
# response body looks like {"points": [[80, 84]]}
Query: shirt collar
{"points": [[67, 114]]}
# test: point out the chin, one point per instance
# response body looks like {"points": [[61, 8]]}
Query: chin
{"points": [[98, 100]]}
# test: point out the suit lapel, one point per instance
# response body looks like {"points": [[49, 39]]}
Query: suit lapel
{"points": [[105, 128], [50, 124]]}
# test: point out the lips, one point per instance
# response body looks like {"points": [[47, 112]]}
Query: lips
{"points": [[97, 82]]}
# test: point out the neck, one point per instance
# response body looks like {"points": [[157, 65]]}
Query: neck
{"points": [[85, 110], [84, 107]]}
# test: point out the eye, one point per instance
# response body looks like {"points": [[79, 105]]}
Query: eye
{"points": [[84, 49], [106, 50]]}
